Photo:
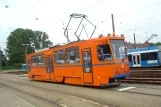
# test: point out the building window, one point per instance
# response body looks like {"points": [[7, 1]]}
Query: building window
{"points": [[72, 55], [144, 56], [153, 56], [34, 61], [130, 58], [40, 59], [104, 52], [59, 56]]}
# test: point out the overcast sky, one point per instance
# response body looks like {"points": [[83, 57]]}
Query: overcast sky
{"points": [[140, 16]]}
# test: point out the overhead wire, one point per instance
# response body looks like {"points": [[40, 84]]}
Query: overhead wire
{"points": [[26, 13], [134, 21], [138, 9], [140, 20], [93, 5], [142, 27], [81, 11], [133, 11], [23, 17], [137, 29], [56, 22], [89, 8]]}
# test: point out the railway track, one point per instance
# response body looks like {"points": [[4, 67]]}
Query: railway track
{"points": [[145, 68], [15, 72], [137, 93], [108, 97], [59, 91], [143, 75], [22, 84], [150, 75], [54, 103]]}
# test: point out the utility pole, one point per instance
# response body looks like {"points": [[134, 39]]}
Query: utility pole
{"points": [[113, 25], [25, 51], [0, 60], [134, 41]]}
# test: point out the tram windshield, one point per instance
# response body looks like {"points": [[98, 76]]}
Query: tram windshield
{"points": [[118, 47]]}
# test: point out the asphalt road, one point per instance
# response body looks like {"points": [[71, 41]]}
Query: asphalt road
{"points": [[28, 93]]}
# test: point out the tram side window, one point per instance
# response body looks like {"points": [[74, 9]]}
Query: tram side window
{"points": [[72, 55], [144, 56], [59, 56], [130, 58], [40, 59], [153, 56], [34, 61], [104, 52]]}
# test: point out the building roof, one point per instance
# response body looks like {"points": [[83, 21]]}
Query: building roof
{"points": [[132, 45]]}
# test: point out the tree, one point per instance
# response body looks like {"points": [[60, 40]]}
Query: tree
{"points": [[4, 59], [15, 49], [41, 40], [158, 43]]}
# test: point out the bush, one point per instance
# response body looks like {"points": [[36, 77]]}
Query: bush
{"points": [[17, 65], [8, 67], [14, 66]]}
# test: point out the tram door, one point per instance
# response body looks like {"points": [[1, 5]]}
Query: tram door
{"points": [[136, 60], [87, 66], [49, 66]]}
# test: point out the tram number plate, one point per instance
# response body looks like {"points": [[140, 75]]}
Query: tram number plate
{"points": [[152, 61]]}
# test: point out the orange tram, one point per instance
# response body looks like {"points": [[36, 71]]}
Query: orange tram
{"points": [[96, 62]]}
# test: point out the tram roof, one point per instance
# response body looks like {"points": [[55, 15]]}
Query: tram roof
{"points": [[144, 49], [78, 42]]}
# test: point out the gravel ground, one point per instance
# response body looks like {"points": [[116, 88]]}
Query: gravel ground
{"points": [[141, 85]]}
